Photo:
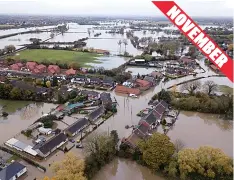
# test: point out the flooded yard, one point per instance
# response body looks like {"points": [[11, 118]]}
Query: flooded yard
{"points": [[21, 115]]}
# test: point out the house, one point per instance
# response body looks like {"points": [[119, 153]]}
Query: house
{"points": [[97, 113], [53, 69], [16, 66], [41, 68], [187, 61], [106, 100], [150, 79], [31, 65], [126, 90], [101, 51], [156, 75], [77, 127], [132, 140], [13, 171], [144, 85], [51, 145], [152, 118], [45, 131], [94, 80], [20, 146], [90, 94], [142, 129], [108, 83], [70, 72], [79, 80]]}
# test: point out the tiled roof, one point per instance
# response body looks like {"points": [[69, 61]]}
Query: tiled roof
{"points": [[77, 125], [96, 113], [126, 90], [71, 72], [143, 83], [10, 171], [52, 143], [149, 79]]}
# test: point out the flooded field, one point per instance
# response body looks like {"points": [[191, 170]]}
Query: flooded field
{"points": [[21, 115]]}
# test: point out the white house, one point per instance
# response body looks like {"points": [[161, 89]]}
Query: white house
{"points": [[13, 171], [45, 131]]}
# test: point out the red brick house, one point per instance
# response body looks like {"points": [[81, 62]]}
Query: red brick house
{"points": [[15, 67], [41, 68], [31, 65], [70, 72], [126, 90], [53, 69], [144, 85]]}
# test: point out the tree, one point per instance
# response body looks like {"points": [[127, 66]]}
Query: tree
{"points": [[179, 145], [157, 150], [71, 167], [119, 43], [191, 87], [38, 82], [164, 95], [74, 65], [210, 87], [55, 81], [9, 49], [125, 42], [15, 93], [48, 84], [206, 162]]}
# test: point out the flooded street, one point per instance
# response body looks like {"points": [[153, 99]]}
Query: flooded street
{"points": [[125, 170]]}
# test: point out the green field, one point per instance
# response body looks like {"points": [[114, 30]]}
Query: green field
{"points": [[53, 56]]}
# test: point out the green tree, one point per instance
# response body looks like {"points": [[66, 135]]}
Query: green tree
{"points": [[157, 150], [164, 95], [15, 93], [38, 82], [206, 163]]}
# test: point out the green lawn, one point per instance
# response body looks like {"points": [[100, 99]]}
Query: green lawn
{"points": [[62, 56]]}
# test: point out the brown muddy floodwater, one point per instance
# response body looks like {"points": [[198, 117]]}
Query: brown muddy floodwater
{"points": [[21, 115], [121, 169]]}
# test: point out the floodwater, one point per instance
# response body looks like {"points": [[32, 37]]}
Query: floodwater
{"points": [[125, 169], [21, 115]]}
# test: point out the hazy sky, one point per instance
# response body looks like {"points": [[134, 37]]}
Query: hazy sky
{"points": [[113, 7]]}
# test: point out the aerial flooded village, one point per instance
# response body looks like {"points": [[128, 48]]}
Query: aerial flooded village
{"points": [[108, 97]]}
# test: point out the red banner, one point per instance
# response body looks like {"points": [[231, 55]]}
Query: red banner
{"points": [[197, 36]]}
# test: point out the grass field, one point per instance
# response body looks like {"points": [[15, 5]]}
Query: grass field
{"points": [[53, 56]]}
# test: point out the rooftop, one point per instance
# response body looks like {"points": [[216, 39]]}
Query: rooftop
{"points": [[11, 170], [77, 125]]}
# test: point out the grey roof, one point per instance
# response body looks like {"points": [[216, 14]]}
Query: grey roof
{"points": [[20, 145], [11, 170], [77, 125], [93, 93], [160, 108], [96, 113], [52, 143], [105, 97], [151, 117], [149, 79], [164, 104]]}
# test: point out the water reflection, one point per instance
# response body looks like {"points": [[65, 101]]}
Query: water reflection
{"points": [[125, 170]]}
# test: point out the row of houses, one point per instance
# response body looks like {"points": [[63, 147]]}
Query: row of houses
{"points": [[147, 124], [108, 82], [40, 68]]}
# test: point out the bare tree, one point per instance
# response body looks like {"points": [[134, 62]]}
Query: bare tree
{"points": [[125, 42], [210, 87], [179, 145], [119, 43], [191, 87]]}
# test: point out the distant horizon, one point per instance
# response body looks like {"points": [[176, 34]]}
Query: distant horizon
{"points": [[107, 16]]}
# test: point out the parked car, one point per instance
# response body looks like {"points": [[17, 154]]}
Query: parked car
{"points": [[79, 145], [72, 140], [133, 95]]}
